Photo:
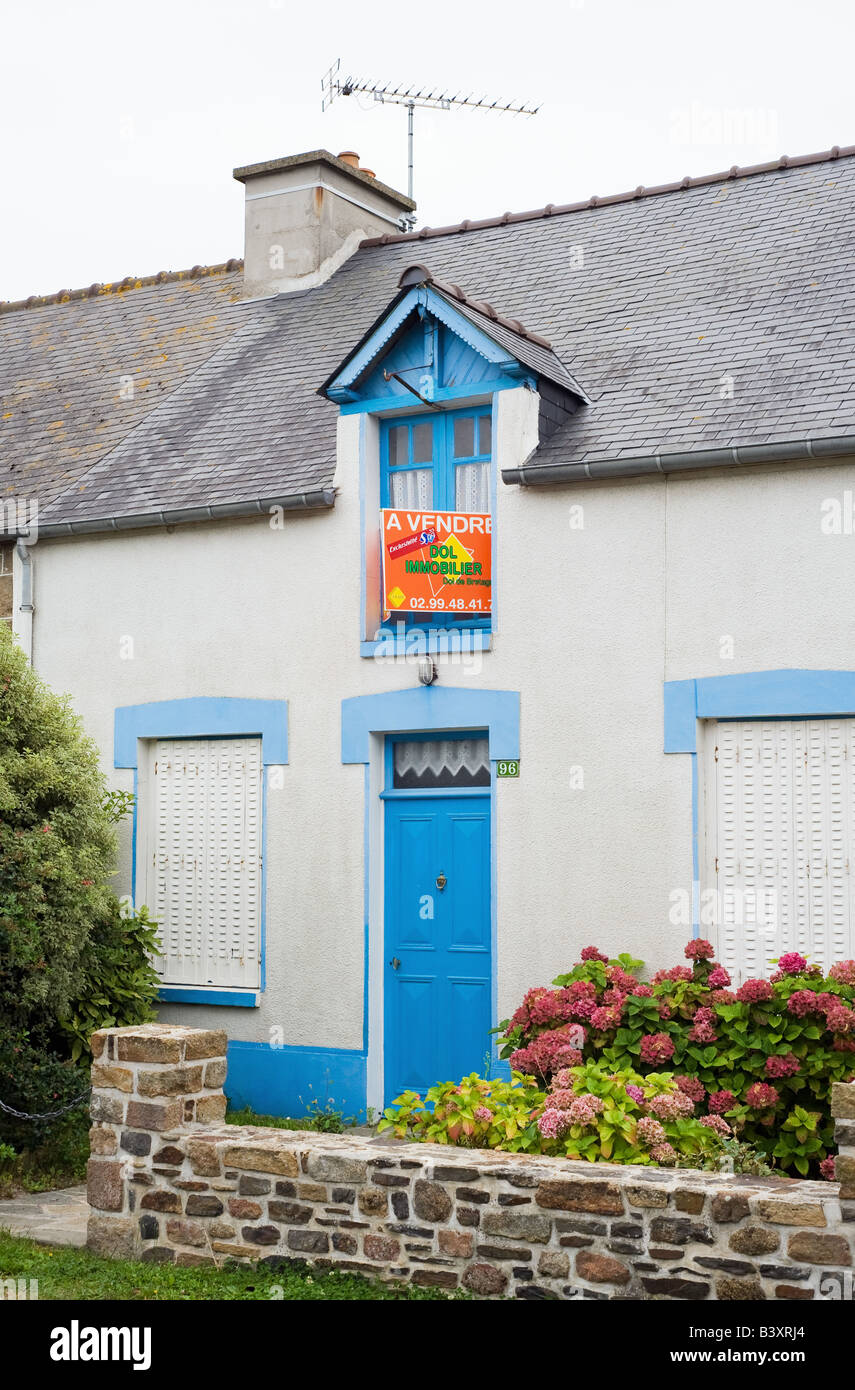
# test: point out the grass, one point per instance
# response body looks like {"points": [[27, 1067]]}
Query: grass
{"points": [[65, 1273]]}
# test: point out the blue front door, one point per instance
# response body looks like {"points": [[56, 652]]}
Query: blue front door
{"points": [[437, 940]]}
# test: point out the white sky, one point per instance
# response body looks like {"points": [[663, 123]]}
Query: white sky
{"points": [[122, 123]]}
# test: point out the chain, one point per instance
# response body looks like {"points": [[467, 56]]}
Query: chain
{"points": [[47, 1114]]}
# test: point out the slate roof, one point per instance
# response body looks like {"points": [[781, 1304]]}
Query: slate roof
{"points": [[651, 301]]}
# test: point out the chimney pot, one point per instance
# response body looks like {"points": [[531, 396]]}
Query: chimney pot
{"points": [[368, 172], [350, 157]]}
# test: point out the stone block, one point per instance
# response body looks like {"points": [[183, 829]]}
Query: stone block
{"points": [[113, 1236], [327, 1167], [102, 1141], [261, 1159], [170, 1156], [310, 1242], [690, 1199], [142, 1047], [260, 1235], [156, 1115], [431, 1202], [244, 1209], [105, 1187], [106, 1110], [754, 1240], [211, 1110], [136, 1142], [161, 1200], [381, 1248], [292, 1213], [485, 1279], [109, 1078], [553, 1264], [601, 1269], [817, 1249], [727, 1207], [434, 1278], [373, 1201], [203, 1156], [679, 1230], [582, 1195], [791, 1213], [458, 1243], [730, 1289], [843, 1100], [170, 1081], [186, 1233], [197, 1205], [215, 1073], [517, 1225], [203, 1044]]}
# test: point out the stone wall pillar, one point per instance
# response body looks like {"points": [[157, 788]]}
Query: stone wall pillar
{"points": [[152, 1085]]}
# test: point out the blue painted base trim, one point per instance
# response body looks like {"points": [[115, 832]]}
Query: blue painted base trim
{"points": [[231, 998], [287, 1080]]}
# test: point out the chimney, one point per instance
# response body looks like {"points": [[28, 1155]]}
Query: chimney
{"points": [[307, 214]]}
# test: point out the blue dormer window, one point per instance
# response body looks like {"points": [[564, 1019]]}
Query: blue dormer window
{"points": [[440, 463]]}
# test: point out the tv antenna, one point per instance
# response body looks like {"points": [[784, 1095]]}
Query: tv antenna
{"points": [[334, 85]]}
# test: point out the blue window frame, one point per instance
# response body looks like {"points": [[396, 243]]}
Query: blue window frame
{"points": [[440, 462]]}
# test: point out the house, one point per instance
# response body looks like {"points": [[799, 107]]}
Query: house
{"points": [[453, 599]]}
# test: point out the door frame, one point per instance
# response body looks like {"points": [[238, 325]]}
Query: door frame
{"points": [[428, 711], [460, 794]]}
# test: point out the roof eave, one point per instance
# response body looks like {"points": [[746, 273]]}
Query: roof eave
{"points": [[740, 455], [314, 500]]}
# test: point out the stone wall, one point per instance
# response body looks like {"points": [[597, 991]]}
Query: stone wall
{"points": [[170, 1182]]}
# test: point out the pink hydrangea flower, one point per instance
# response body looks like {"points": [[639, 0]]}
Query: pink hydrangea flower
{"points": [[702, 1029], [723, 996], [792, 963], [720, 1101], [699, 949], [788, 1065], [591, 953], [691, 1087], [483, 1114], [583, 1008], [665, 1154], [650, 1131], [585, 1109], [718, 978], [717, 1123], [605, 1019], [642, 992], [753, 991], [656, 1047], [671, 1107], [843, 1045], [839, 1019], [674, 975], [665, 1011], [843, 972], [553, 1123], [620, 980], [760, 1096], [805, 1001], [826, 1168], [635, 1093], [560, 1098]]}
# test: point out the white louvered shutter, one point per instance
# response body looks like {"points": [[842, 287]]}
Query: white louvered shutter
{"points": [[782, 813], [204, 872]]}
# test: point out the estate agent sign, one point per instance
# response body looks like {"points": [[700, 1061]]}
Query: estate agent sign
{"points": [[436, 562]]}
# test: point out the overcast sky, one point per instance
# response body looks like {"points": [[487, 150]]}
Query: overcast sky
{"points": [[122, 122]]}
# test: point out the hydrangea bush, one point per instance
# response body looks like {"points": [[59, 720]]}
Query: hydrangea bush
{"points": [[588, 1112], [757, 1062]]}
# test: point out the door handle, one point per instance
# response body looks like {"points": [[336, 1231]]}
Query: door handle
{"points": [[395, 963], [441, 881]]}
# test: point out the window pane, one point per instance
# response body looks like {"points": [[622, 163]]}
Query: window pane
{"points": [[472, 487], [398, 445], [439, 763], [485, 434], [413, 489], [464, 437], [423, 443]]}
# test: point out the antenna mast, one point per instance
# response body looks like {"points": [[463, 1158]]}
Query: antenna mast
{"points": [[334, 85]]}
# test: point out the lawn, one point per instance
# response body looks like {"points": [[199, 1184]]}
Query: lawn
{"points": [[65, 1273]]}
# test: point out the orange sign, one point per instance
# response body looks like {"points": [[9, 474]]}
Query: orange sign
{"points": [[436, 562]]}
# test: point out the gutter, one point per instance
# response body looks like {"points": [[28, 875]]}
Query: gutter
{"points": [[798, 451], [292, 502]]}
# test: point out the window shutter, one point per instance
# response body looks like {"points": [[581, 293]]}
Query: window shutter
{"points": [[784, 813], [204, 879]]}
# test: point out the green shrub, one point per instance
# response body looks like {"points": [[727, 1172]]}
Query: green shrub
{"points": [[762, 1059], [119, 982], [589, 1112]]}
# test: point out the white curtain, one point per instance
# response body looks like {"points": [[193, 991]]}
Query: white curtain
{"points": [[442, 762]]}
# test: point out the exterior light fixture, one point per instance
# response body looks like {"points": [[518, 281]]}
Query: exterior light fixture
{"points": [[427, 671]]}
